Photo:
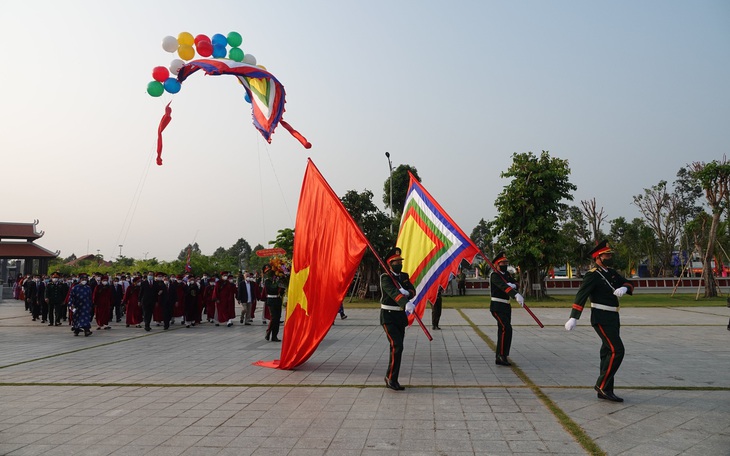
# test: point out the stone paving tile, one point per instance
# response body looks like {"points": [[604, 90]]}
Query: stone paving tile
{"points": [[182, 400]]}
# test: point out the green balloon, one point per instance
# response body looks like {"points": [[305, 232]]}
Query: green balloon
{"points": [[235, 54], [155, 88], [234, 39]]}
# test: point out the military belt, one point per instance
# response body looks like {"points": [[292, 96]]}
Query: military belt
{"points": [[272, 296], [506, 301], [386, 307], [604, 307]]}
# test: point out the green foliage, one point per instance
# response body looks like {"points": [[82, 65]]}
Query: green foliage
{"points": [[285, 240], [400, 188], [530, 209]]}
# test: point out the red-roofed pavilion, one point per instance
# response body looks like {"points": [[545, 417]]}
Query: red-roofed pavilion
{"points": [[17, 243]]}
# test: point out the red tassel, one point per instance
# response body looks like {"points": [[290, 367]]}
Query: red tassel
{"points": [[296, 134], [164, 122]]}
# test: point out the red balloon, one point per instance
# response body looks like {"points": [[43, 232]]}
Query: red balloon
{"points": [[200, 38], [160, 73], [204, 48]]}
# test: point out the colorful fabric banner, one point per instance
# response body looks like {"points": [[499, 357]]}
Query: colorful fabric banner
{"points": [[328, 247], [433, 245]]}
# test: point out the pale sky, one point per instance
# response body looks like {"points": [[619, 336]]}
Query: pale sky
{"points": [[627, 91]]}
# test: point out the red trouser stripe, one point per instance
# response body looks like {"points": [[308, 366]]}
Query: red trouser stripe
{"points": [[610, 361], [392, 352], [501, 344]]}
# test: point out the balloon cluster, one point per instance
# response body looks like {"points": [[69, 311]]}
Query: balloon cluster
{"points": [[186, 46]]}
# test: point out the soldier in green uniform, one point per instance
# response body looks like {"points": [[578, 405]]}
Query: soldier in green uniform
{"points": [[394, 311], [502, 286], [604, 286]]}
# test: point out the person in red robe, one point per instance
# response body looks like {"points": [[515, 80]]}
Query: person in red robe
{"points": [[224, 296], [102, 298], [178, 309], [208, 299], [132, 306]]}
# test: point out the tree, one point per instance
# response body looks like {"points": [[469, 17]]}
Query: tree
{"points": [[660, 210], [375, 225], [577, 239], [241, 251], [285, 240], [595, 217], [482, 237], [714, 177], [255, 262], [194, 248], [400, 188], [529, 210]]}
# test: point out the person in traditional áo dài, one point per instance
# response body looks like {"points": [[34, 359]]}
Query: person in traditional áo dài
{"points": [[397, 290], [604, 286], [225, 300], [503, 287], [102, 298], [80, 304], [132, 305], [192, 292]]}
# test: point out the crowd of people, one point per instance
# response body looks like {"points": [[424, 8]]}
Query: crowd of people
{"points": [[140, 300]]}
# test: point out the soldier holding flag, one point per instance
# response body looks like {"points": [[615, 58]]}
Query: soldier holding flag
{"points": [[397, 290]]}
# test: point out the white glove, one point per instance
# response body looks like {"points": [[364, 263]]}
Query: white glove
{"points": [[570, 324], [404, 292], [410, 307], [512, 285], [618, 292], [520, 299]]}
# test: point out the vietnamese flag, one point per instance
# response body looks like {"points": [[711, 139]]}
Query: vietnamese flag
{"points": [[328, 247]]}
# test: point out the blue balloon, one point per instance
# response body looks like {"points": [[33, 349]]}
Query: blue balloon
{"points": [[219, 51], [219, 40], [247, 98], [172, 85]]}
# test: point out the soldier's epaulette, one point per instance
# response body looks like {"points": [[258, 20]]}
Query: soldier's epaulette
{"points": [[593, 269]]}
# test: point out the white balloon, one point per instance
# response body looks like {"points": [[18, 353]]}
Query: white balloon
{"points": [[250, 59], [169, 43], [175, 66]]}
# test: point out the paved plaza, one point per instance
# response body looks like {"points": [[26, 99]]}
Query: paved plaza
{"points": [[195, 391]]}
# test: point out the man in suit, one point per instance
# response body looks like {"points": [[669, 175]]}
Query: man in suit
{"points": [[248, 291], [148, 293], [604, 286]]}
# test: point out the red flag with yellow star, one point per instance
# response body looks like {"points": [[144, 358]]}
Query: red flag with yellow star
{"points": [[328, 247]]}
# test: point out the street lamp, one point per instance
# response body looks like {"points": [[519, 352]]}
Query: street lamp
{"points": [[390, 166], [120, 249]]}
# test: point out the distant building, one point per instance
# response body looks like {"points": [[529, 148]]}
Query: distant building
{"points": [[18, 252]]}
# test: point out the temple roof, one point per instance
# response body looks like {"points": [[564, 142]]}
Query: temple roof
{"points": [[13, 230], [17, 250]]}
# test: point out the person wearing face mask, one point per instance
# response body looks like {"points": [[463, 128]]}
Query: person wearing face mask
{"points": [[274, 293], [33, 296], [224, 296], [603, 285], [56, 292], [80, 303], [149, 291], [132, 306], [248, 290], [397, 290], [503, 287], [103, 299]]}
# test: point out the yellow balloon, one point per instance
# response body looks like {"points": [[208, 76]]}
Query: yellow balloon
{"points": [[186, 52], [262, 67], [185, 38]]}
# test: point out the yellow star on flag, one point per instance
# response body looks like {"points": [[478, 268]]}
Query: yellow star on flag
{"points": [[296, 291]]}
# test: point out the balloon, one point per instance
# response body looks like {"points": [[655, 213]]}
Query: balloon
{"points": [[201, 37], [175, 66], [205, 49], [155, 88], [262, 67], [184, 38], [186, 52], [172, 85], [169, 43], [235, 54], [219, 51], [160, 73], [250, 59], [219, 40], [247, 98], [234, 39]]}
